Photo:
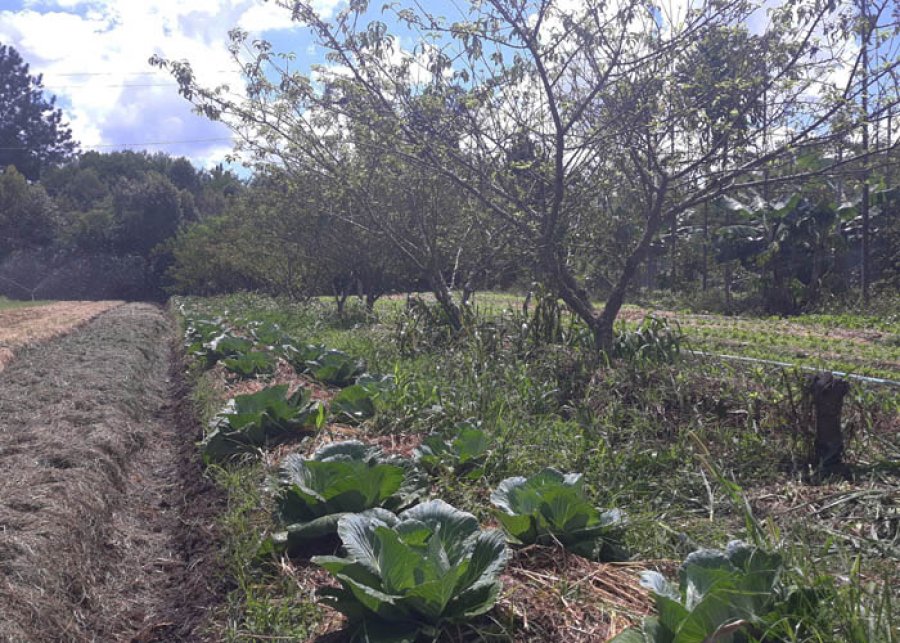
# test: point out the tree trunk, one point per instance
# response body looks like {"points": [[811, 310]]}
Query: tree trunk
{"points": [[827, 393], [445, 299], [705, 244], [866, 276], [602, 325]]}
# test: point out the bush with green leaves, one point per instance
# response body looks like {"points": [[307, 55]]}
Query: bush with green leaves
{"points": [[270, 334], [340, 478], [654, 341], [406, 577], [251, 364], [199, 331], [730, 596], [463, 455], [257, 419], [357, 402], [551, 507]]}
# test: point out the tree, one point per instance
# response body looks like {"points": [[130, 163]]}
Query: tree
{"points": [[33, 136], [27, 215], [593, 89]]}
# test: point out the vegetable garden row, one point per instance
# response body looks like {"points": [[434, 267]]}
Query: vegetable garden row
{"points": [[412, 566]]}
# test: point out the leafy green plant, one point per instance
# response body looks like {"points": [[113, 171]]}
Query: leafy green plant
{"points": [[251, 364], [257, 419], [336, 368], [199, 331], [302, 355], [225, 346], [357, 402], [340, 478], [724, 596], [270, 334], [551, 506], [653, 341], [410, 575], [464, 455]]}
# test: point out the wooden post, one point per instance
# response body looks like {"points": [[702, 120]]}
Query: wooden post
{"points": [[827, 393]]}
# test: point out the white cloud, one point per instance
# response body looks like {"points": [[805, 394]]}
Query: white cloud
{"points": [[94, 53]]}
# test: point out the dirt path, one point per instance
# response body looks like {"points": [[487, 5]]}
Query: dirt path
{"points": [[105, 521]]}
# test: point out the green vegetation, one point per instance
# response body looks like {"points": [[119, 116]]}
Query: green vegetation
{"points": [[259, 419], [730, 595], [406, 576], [340, 478], [7, 304], [551, 507], [462, 455], [698, 452]]}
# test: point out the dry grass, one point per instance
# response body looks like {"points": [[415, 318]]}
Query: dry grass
{"points": [[22, 326], [91, 489]]}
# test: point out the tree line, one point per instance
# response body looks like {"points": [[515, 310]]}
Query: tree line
{"points": [[592, 149], [585, 145]]}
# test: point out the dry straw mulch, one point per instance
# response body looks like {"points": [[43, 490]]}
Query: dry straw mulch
{"points": [[31, 324]]}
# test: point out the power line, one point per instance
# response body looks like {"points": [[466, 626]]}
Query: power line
{"points": [[141, 144], [92, 86], [130, 73]]}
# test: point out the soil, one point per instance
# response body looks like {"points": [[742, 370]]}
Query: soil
{"points": [[107, 526]]}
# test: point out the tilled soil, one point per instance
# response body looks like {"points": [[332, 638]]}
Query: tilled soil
{"points": [[106, 524]]}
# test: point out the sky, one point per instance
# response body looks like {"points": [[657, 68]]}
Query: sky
{"points": [[93, 56]]}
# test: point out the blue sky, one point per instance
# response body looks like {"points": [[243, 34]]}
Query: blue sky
{"points": [[93, 55]]}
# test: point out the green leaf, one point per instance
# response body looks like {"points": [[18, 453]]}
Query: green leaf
{"points": [[341, 478], [429, 566], [251, 364], [551, 506], [248, 422]]}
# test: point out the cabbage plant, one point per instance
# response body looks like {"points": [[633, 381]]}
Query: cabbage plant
{"points": [[551, 507], [357, 402], [408, 576], [464, 455], [725, 596], [340, 478], [270, 334], [251, 364], [301, 356], [336, 368], [257, 419], [224, 346]]}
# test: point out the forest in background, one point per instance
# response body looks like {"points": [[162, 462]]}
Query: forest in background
{"points": [[709, 163]]}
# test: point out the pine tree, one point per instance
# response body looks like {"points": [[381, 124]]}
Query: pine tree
{"points": [[33, 136]]}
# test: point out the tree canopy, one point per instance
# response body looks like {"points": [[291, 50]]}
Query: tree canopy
{"points": [[33, 136]]}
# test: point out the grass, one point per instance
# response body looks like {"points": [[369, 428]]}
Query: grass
{"points": [[689, 449], [9, 304]]}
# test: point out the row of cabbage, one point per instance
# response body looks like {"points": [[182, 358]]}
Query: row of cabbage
{"points": [[410, 565], [272, 415]]}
